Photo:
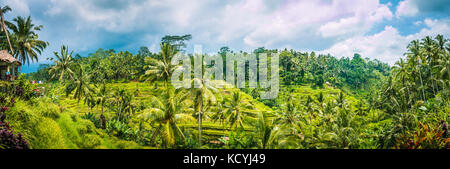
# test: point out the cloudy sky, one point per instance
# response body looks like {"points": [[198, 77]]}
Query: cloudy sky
{"points": [[378, 29]]}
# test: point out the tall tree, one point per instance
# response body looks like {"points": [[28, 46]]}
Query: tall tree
{"points": [[161, 68], [81, 84], [64, 65], [25, 39], [167, 112], [237, 109], [178, 42], [202, 92], [3, 27]]}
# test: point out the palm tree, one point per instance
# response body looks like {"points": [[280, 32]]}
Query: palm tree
{"points": [[3, 27], [167, 113], [220, 115], [102, 96], [123, 102], [309, 105], [429, 50], [361, 107], [237, 109], [320, 100], [264, 128], [161, 68], [63, 65], [25, 40], [288, 130], [415, 58], [202, 91], [341, 100], [81, 84], [443, 63], [444, 67], [401, 73]]}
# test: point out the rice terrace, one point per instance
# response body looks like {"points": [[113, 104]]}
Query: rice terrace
{"points": [[248, 74]]}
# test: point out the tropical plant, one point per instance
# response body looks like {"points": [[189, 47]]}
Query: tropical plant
{"points": [[25, 39], [64, 65], [161, 68], [167, 112]]}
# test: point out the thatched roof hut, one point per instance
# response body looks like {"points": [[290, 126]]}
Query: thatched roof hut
{"points": [[8, 64], [6, 57]]}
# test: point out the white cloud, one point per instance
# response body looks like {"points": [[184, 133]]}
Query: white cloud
{"points": [[20, 8], [252, 23], [294, 21], [406, 8], [129, 16], [388, 45], [360, 22], [339, 25]]}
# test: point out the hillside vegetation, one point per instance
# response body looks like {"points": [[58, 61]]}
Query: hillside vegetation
{"points": [[112, 99]]}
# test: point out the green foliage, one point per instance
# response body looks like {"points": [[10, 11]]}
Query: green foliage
{"points": [[239, 140], [324, 102], [24, 39], [41, 131], [357, 74]]}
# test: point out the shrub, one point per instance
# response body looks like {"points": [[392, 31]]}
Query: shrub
{"points": [[79, 134], [90, 141], [47, 135], [47, 109], [9, 140], [41, 131], [425, 137]]}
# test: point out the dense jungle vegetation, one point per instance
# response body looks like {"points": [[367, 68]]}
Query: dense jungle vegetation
{"points": [[116, 99]]}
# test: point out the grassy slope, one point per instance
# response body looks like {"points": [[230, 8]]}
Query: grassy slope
{"points": [[46, 126]]}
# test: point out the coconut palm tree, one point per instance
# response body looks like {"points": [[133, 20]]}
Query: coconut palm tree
{"points": [[220, 115], [3, 27], [102, 96], [81, 86], [25, 40], [288, 130], [123, 104], [341, 100], [203, 94], [238, 110], [264, 128], [167, 112], [444, 67], [161, 69], [402, 73], [415, 61], [64, 65]]}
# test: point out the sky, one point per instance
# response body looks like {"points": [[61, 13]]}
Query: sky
{"points": [[376, 29]]}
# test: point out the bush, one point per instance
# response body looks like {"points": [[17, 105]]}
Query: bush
{"points": [[90, 141], [424, 137], [9, 140], [47, 109], [41, 131], [79, 134], [47, 135]]}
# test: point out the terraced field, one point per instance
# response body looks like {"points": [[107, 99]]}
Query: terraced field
{"points": [[211, 129]]}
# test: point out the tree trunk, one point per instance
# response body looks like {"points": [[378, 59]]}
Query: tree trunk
{"points": [[59, 88], [421, 83], [6, 31], [154, 133], [199, 129]]}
